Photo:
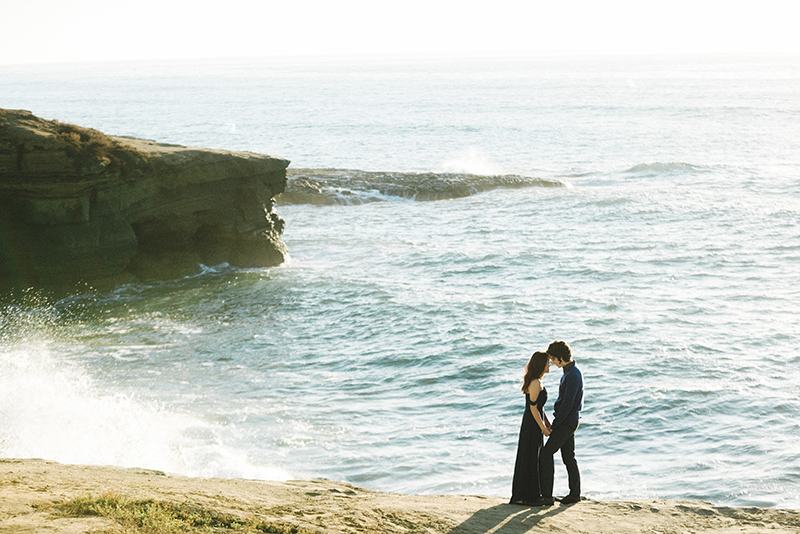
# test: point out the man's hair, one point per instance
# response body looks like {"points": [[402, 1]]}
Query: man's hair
{"points": [[560, 350]]}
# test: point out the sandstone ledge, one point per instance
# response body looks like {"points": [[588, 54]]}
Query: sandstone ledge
{"points": [[78, 205], [30, 488]]}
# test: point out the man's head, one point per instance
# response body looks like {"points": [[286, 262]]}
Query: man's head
{"points": [[560, 353]]}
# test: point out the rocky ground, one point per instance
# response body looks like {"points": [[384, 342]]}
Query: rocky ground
{"points": [[32, 492]]}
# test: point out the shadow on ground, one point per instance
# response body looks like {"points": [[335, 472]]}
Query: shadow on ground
{"points": [[506, 519]]}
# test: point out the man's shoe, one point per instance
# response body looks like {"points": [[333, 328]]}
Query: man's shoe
{"points": [[544, 501], [571, 499]]}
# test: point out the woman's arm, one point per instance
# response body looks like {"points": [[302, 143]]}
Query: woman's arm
{"points": [[533, 392], [545, 429]]}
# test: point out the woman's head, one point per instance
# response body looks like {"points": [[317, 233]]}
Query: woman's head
{"points": [[538, 365]]}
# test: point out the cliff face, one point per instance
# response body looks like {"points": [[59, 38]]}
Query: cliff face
{"points": [[77, 205]]}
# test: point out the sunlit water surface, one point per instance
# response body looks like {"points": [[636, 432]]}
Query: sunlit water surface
{"points": [[659, 236]]}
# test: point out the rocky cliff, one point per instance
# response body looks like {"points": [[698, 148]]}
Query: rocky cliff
{"points": [[78, 205]]}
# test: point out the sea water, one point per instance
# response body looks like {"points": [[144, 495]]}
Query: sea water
{"points": [[445, 219]]}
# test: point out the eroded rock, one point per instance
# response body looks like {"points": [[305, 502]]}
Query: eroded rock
{"points": [[78, 205]]}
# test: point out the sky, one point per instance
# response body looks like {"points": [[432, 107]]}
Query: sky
{"points": [[56, 31]]}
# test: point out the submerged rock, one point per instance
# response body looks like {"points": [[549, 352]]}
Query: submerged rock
{"points": [[77, 205]]}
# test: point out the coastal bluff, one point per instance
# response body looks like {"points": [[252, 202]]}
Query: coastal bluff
{"points": [[45, 496], [79, 206]]}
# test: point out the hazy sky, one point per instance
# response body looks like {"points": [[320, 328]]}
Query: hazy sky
{"points": [[80, 30]]}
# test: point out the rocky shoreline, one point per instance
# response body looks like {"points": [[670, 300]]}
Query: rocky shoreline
{"points": [[77, 205], [32, 493]]}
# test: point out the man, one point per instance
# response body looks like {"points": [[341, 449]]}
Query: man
{"points": [[567, 411]]}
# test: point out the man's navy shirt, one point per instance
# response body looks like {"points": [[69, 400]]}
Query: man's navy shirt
{"points": [[570, 396]]}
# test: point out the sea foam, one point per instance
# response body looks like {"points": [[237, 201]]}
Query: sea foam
{"points": [[51, 407]]}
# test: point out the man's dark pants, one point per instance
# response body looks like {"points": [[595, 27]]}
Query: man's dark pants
{"points": [[562, 438]]}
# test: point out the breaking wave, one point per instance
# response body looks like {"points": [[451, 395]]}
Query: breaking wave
{"points": [[666, 168], [341, 186]]}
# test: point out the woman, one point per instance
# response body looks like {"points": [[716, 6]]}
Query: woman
{"points": [[534, 426]]}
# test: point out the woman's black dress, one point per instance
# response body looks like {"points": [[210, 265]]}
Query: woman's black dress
{"points": [[526, 471]]}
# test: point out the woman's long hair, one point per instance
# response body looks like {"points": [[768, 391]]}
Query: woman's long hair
{"points": [[534, 369]]}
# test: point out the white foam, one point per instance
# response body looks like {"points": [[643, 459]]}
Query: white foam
{"points": [[52, 409], [471, 161]]}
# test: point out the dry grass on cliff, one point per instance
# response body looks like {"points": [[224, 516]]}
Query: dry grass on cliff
{"points": [[152, 516], [88, 148], [91, 151]]}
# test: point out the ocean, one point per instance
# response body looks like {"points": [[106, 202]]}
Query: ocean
{"points": [[446, 217]]}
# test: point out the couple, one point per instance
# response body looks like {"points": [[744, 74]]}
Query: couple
{"points": [[534, 470]]}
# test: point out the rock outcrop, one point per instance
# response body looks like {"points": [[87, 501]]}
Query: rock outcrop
{"points": [[78, 205]]}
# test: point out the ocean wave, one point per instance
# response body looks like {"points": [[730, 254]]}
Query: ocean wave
{"points": [[666, 168], [342, 186]]}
